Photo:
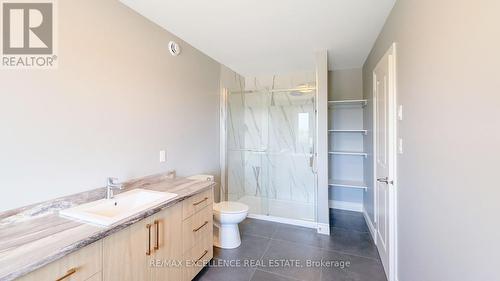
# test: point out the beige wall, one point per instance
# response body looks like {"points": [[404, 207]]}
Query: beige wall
{"points": [[448, 53], [345, 84], [117, 98]]}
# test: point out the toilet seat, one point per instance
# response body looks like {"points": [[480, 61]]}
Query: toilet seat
{"points": [[228, 207], [227, 216]]}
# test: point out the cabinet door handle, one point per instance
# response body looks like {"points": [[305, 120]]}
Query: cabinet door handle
{"points": [[148, 252], [157, 225], [201, 201], [200, 227], [204, 253], [68, 274]]}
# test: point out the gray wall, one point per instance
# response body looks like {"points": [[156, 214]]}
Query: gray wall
{"points": [[345, 84], [117, 98], [448, 81]]}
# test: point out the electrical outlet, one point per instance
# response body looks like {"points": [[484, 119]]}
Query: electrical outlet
{"points": [[400, 146], [163, 156], [400, 112]]}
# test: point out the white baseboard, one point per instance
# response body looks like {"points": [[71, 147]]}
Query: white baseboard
{"points": [[309, 224], [347, 206], [324, 228], [371, 227]]}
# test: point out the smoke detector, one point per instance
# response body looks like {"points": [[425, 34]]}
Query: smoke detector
{"points": [[174, 48]]}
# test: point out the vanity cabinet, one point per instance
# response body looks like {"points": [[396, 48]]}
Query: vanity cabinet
{"points": [[172, 245], [168, 246], [147, 250], [124, 253], [197, 233], [82, 265]]}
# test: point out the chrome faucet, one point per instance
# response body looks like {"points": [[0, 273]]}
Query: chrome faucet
{"points": [[112, 183], [172, 174]]}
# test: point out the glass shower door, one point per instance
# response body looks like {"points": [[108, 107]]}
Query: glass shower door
{"points": [[247, 127], [270, 152], [291, 178]]}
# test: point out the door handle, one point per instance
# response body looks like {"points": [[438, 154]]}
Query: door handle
{"points": [[157, 225], [68, 274], [201, 201], [148, 252], [385, 180], [199, 259], [200, 227]]}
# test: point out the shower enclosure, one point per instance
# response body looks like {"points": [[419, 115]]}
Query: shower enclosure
{"points": [[269, 138]]}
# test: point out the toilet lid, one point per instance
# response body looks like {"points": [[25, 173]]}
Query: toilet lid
{"points": [[228, 207]]}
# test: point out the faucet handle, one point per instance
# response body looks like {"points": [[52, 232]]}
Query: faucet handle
{"points": [[112, 180], [171, 174]]}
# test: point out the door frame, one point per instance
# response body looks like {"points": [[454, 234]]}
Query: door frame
{"points": [[393, 175]]}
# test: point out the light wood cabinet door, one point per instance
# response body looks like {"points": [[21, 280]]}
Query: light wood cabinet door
{"points": [[197, 257], [197, 202], [168, 253], [197, 227], [125, 253], [78, 266]]}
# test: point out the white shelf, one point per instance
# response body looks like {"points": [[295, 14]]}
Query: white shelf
{"points": [[347, 184], [364, 132], [363, 103], [351, 153]]}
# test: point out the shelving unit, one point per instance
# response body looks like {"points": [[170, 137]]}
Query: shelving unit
{"points": [[348, 184], [346, 155], [350, 153], [363, 103], [364, 132]]}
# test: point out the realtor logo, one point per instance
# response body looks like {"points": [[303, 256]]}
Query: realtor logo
{"points": [[28, 34]]}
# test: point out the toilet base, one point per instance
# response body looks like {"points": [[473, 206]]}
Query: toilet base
{"points": [[227, 236]]}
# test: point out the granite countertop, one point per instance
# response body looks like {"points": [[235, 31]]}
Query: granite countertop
{"points": [[34, 236]]}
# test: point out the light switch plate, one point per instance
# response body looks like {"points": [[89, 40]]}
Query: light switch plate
{"points": [[400, 112], [163, 156], [400, 146]]}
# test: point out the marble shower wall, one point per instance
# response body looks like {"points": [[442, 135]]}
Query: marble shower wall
{"points": [[270, 141], [235, 146]]}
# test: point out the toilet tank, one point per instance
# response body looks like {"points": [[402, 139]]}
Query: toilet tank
{"points": [[202, 177], [211, 178]]}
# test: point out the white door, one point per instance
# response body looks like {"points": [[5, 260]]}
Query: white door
{"points": [[384, 100]]}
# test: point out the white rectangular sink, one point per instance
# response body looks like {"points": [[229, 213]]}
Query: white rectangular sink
{"points": [[107, 212]]}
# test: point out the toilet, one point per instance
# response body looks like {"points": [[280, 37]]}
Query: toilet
{"points": [[227, 216]]}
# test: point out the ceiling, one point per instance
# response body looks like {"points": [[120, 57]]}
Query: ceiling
{"points": [[256, 37]]}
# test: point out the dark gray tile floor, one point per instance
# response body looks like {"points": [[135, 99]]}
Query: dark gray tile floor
{"points": [[279, 252]]}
